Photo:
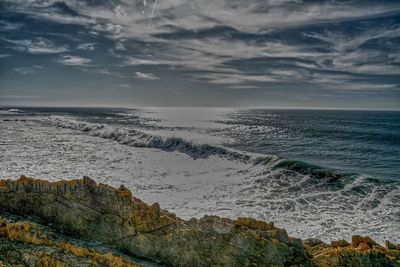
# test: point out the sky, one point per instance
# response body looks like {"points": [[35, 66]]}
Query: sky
{"points": [[232, 53]]}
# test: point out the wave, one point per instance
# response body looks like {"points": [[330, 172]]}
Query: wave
{"points": [[15, 110], [136, 138], [312, 170], [273, 189], [11, 111]]}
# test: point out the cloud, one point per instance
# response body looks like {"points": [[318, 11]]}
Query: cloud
{"points": [[120, 46], [70, 60], [139, 61], [213, 53], [132, 18], [124, 85], [18, 96], [347, 82], [235, 44], [108, 72], [28, 70], [102, 71], [6, 26], [87, 46], [146, 76], [369, 86], [37, 46], [234, 78], [135, 19], [243, 87], [354, 53], [5, 55], [47, 10]]}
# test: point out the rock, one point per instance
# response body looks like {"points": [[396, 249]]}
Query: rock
{"points": [[25, 243], [116, 219], [313, 242], [340, 243], [313, 245], [363, 252], [391, 246], [364, 241]]}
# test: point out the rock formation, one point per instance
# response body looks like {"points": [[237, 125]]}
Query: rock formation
{"points": [[115, 219], [27, 244], [362, 252]]}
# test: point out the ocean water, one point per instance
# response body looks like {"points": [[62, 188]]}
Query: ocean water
{"points": [[363, 142], [317, 173]]}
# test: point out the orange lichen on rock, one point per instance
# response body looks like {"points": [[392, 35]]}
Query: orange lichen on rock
{"points": [[255, 224], [3, 227], [3, 183], [47, 260], [27, 233], [363, 251], [107, 259], [63, 186], [123, 192], [110, 216], [362, 242], [30, 234], [340, 243]]}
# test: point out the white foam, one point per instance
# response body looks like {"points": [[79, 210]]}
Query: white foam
{"points": [[192, 124], [136, 138], [12, 111], [191, 187], [15, 110]]}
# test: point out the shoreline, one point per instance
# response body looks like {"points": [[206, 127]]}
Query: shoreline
{"points": [[100, 213], [193, 188]]}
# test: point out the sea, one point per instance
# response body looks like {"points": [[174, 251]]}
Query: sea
{"points": [[325, 174]]}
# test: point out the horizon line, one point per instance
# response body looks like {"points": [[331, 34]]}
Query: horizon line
{"points": [[200, 107]]}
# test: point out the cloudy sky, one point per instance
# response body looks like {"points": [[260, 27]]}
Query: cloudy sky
{"points": [[269, 53]]}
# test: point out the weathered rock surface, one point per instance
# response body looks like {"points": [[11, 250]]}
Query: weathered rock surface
{"points": [[113, 217], [362, 252], [25, 243]]}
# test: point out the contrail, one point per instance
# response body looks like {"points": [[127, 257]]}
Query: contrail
{"points": [[154, 7]]}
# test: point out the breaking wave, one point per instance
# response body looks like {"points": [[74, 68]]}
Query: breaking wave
{"points": [[136, 138], [306, 199]]}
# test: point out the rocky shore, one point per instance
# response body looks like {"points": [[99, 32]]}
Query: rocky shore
{"points": [[81, 223]]}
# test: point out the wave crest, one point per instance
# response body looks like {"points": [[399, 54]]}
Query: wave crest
{"points": [[136, 138], [132, 137]]}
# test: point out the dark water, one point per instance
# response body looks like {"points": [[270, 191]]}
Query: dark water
{"points": [[364, 142]]}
